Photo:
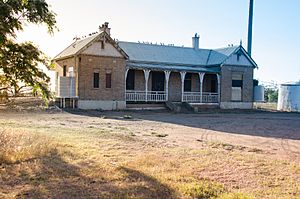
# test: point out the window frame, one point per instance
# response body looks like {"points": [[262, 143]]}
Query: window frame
{"points": [[108, 81], [64, 70], [96, 80], [237, 80]]}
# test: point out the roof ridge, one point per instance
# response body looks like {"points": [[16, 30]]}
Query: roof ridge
{"points": [[234, 46], [185, 47]]}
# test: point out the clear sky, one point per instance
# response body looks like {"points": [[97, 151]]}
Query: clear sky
{"points": [[276, 28]]}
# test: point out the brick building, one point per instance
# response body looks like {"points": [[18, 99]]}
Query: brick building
{"points": [[98, 72]]}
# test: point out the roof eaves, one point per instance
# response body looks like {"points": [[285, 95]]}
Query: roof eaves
{"points": [[172, 67], [166, 63], [61, 58], [56, 57], [248, 57]]}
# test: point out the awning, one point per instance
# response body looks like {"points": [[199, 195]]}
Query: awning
{"points": [[170, 67]]}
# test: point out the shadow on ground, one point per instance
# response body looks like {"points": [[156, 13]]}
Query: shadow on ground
{"points": [[53, 177], [246, 122]]}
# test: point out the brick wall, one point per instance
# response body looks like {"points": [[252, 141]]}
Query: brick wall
{"points": [[226, 83], [139, 80], [175, 87], [90, 64], [195, 82]]}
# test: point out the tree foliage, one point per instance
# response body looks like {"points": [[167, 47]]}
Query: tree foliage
{"points": [[19, 61], [271, 95], [14, 13]]}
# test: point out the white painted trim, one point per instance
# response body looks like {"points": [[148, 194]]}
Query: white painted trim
{"points": [[167, 77], [182, 75], [146, 75], [201, 77]]}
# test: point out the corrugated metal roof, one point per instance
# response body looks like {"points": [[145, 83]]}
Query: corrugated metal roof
{"points": [[226, 51], [140, 52], [173, 54], [76, 46], [171, 67]]}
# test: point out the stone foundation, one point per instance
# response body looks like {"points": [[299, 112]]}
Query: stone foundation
{"points": [[100, 104], [236, 105]]}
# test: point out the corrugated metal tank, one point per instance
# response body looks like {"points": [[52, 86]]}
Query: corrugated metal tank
{"points": [[289, 97], [259, 93], [66, 87]]}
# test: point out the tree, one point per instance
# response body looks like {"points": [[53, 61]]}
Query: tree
{"points": [[271, 95], [19, 62]]}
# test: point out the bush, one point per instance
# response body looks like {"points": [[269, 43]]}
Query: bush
{"points": [[208, 190], [203, 190]]}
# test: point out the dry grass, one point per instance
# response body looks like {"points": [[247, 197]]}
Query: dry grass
{"points": [[19, 146], [265, 106], [94, 160]]}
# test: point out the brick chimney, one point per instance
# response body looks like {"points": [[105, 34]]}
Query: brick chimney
{"points": [[196, 42], [105, 28]]}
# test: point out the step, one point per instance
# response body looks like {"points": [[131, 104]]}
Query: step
{"points": [[205, 107]]}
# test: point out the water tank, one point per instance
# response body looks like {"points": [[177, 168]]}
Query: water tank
{"points": [[289, 97], [259, 93]]}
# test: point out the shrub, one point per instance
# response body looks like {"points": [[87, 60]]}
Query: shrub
{"points": [[203, 189]]}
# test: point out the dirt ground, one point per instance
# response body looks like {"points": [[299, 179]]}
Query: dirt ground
{"points": [[274, 133], [250, 151]]}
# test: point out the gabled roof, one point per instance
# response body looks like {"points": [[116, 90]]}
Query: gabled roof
{"points": [[140, 52], [237, 49], [161, 54], [76, 46]]}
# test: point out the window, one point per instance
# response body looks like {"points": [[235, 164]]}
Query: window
{"points": [[188, 82], [108, 80], [102, 44], [64, 70], [130, 80], [236, 87], [96, 80]]}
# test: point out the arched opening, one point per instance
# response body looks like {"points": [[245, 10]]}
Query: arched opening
{"points": [[158, 80], [188, 82], [210, 83], [130, 79]]}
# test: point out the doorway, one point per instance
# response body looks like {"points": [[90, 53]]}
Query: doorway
{"points": [[158, 81]]}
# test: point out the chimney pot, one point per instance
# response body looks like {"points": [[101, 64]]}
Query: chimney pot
{"points": [[195, 40], [105, 28]]}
